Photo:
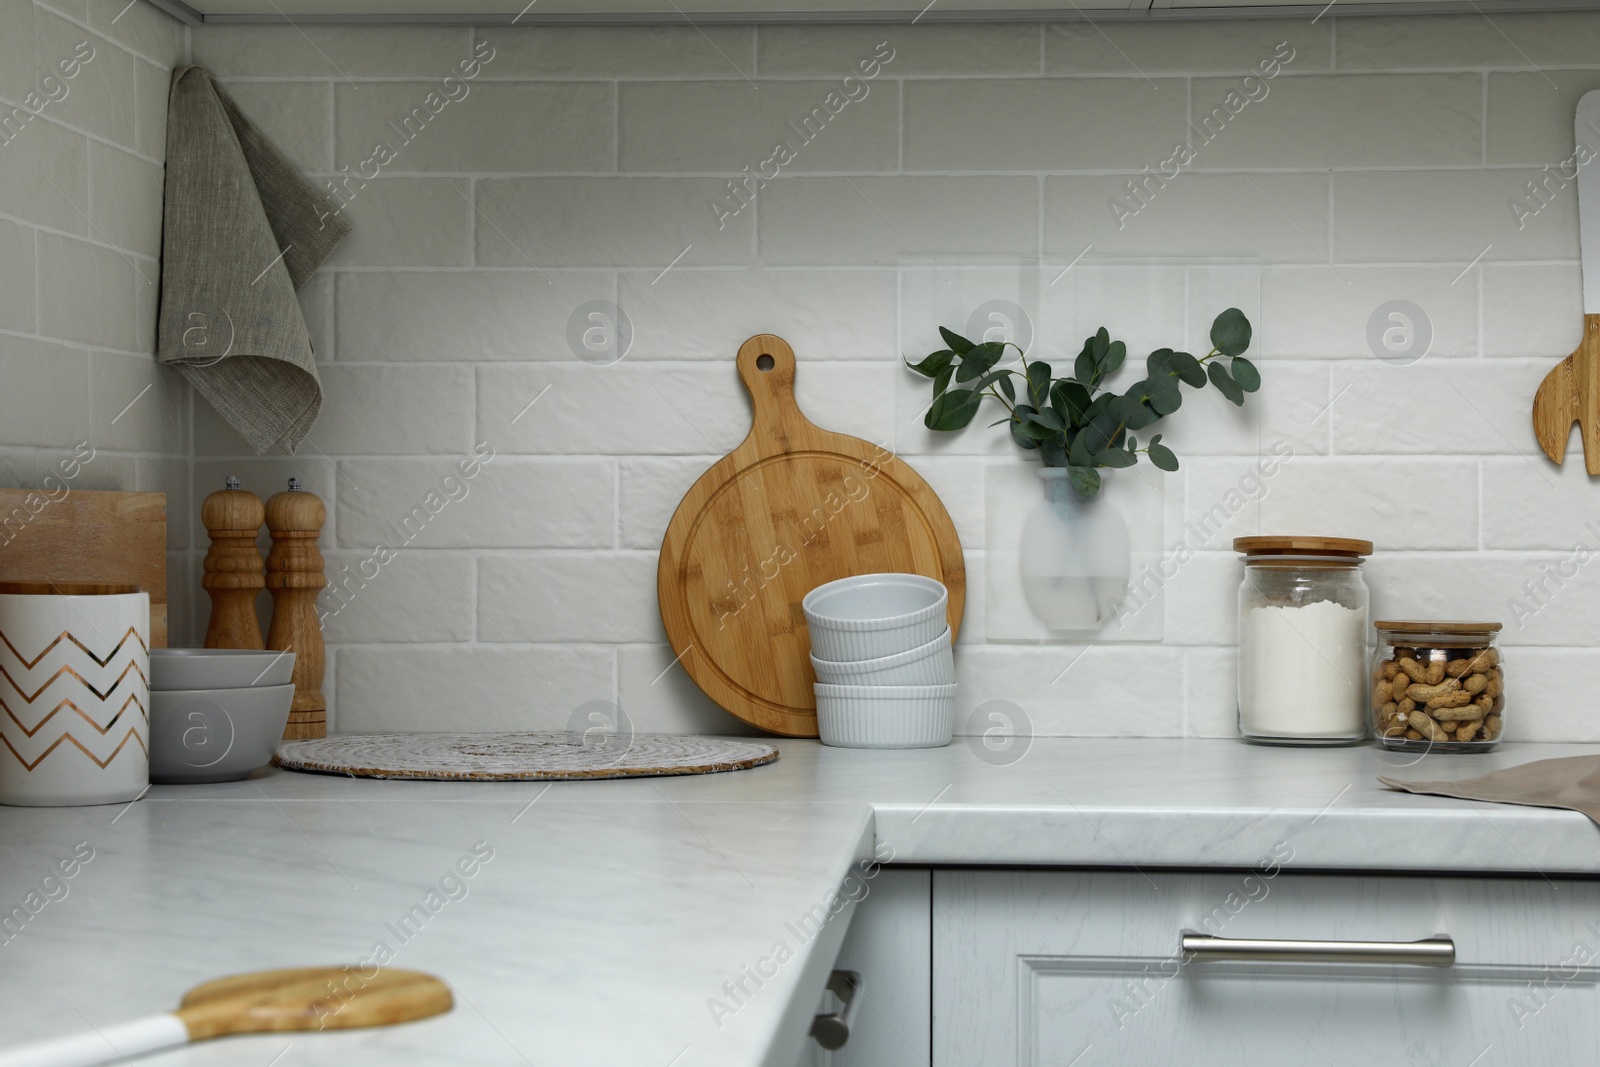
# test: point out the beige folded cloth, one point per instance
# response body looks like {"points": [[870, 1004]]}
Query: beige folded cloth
{"points": [[243, 230], [1572, 783]]}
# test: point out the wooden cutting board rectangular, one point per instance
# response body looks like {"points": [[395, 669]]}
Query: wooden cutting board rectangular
{"points": [[103, 538]]}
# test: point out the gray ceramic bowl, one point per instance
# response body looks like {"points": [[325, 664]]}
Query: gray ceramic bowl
{"points": [[215, 735], [218, 668]]}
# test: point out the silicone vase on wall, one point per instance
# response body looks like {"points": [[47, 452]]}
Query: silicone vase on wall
{"points": [[1074, 556]]}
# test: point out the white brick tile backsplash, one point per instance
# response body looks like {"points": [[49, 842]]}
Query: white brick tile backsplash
{"points": [[1046, 124], [1339, 121], [479, 126], [1547, 598], [143, 29], [1231, 46], [621, 222], [1327, 313], [126, 196], [568, 597], [1446, 216], [1530, 117], [463, 316], [738, 124], [1532, 311], [446, 320], [662, 700], [410, 596], [332, 52], [1436, 407], [882, 221], [404, 222], [401, 688], [1280, 218], [1530, 503], [824, 315], [18, 280], [1395, 503], [510, 502], [54, 410], [297, 117], [702, 51], [917, 51], [1468, 41], [86, 292], [398, 410]]}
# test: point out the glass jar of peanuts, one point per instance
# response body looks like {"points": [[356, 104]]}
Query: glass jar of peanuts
{"points": [[1438, 685]]}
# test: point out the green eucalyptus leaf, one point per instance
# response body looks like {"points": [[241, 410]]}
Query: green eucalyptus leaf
{"points": [[1083, 368], [1162, 457], [941, 381], [1225, 383], [1053, 452], [1049, 420], [1085, 479], [1245, 373], [1230, 332], [1039, 382], [1116, 352], [1128, 408], [1165, 396], [1078, 453], [979, 360], [1007, 387], [1102, 342], [935, 363], [1158, 363], [953, 410], [1115, 457], [1133, 443], [960, 344], [1102, 433], [1100, 405], [1021, 431], [1071, 401], [1188, 369]]}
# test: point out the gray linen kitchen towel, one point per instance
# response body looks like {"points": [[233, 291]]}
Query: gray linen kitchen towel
{"points": [[243, 230], [1572, 783]]}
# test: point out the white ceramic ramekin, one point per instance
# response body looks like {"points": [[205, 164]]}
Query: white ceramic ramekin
{"points": [[886, 716], [870, 616], [929, 664]]}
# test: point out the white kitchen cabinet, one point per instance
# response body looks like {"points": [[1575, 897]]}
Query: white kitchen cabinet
{"points": [[1083, 968], [890, 946]]}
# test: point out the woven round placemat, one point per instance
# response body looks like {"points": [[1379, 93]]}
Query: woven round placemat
{"points": [[519, 757]]}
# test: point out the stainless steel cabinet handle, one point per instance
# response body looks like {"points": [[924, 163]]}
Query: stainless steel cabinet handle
{"points": [[832, 1029], [1430, 952]]}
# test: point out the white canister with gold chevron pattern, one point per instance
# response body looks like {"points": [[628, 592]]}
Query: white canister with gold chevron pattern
{"points": [[74, 693]]}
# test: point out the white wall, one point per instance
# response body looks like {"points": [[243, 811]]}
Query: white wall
{"points": [[80, 241], [1384, 160]]}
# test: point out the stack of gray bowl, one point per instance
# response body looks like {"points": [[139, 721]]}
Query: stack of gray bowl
{"points": [[216, 714], [880, 645]]}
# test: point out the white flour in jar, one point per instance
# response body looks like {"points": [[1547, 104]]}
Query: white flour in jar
{"points": [[1301, 670]]}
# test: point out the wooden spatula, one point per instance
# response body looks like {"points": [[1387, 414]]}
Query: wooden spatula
{"points": [[301, 998], [1571, 392]]}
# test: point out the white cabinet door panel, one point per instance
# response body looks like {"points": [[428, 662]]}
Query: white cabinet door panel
{"points": [[1084, 969]]}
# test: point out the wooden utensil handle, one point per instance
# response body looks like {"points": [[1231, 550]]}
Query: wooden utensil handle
{"points": [[108, 1044], [766, 366]]}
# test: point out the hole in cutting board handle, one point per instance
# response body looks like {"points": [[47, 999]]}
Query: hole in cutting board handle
{"points": [[765, 362]]}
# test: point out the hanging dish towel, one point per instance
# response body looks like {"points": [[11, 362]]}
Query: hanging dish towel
{"points": [[243, 231], [1572, 783]]}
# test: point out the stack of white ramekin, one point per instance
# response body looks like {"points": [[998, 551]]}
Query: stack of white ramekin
{"points": [[880, 645]]}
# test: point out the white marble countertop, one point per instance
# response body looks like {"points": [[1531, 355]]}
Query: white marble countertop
{"points": [[611, 912]]}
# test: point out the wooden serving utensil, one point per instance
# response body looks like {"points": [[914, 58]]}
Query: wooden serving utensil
{"points": [[299, 998], [1571, 391]]}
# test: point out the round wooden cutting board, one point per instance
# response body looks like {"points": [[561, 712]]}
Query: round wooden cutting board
{"points": [[792, 507]]}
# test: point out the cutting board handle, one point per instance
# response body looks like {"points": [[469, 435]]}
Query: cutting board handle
{"points": [[766, 365]]}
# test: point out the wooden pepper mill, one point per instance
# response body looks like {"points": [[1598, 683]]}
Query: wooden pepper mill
{"points": [[233, 573], [295, 577]]}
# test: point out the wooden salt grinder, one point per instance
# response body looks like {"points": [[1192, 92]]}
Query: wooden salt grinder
{"points": [[295, 577], [233, 574]]}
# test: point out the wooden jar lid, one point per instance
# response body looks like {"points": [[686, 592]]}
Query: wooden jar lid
{"points": [[1415, 626], [1303, 545]]}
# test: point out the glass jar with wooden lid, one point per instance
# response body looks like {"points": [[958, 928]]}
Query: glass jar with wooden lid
{"points": [[1438, 685], [1303, 640]]}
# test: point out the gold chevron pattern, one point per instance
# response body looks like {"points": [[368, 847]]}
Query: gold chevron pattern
{"points": [[133, 698], [133, 666], [67, 636], [133, 734]]}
